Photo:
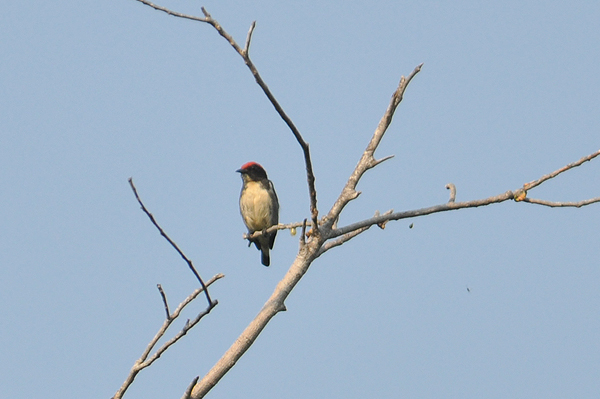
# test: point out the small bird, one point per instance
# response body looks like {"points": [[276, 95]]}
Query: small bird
{"points": [[259, 206]]}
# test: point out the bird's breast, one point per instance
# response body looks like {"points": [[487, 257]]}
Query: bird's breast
{"points": [[256, 206]]}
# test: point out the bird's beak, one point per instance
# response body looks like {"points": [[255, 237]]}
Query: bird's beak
{"points": [[240, 171]]}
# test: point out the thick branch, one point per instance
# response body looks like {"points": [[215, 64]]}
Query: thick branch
{"points": [[450, 206], [274, 305]]}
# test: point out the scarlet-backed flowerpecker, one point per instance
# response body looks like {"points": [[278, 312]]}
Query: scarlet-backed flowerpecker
{"points": [[259, 207]]}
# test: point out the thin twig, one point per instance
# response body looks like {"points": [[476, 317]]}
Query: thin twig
{"points": [[535, 183], [172, 13], [248, 39], [176, 314], [162, 233], [341, 240], [562, 204], [164, 298]]}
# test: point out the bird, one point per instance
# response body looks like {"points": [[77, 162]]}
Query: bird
{"points": [[259, 207]]}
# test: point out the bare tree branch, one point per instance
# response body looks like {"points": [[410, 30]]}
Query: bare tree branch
{"points": [[367, 160], [535, 183], [246, 50], [179, 251], [308, 250], [519, 195], [164, 298], [336, 243], [274, 305], [450, 206], [146, 360], [172, 13], [562, 204]]}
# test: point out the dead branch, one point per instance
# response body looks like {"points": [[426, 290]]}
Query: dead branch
{"points": [[179, 251], [164, 299], [274, 305], [367, 160], [535, 183], [341, 240], [146, 359], [562, 204], [519, 195]]}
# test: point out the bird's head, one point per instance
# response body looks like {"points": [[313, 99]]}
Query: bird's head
{"points": [[252, 171]]}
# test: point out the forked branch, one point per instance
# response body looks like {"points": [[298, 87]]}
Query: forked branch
{"points": [[519, 195], [368, 161], [146, 359]]}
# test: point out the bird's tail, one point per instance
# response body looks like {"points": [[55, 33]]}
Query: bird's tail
{"points": [[264, 258]]}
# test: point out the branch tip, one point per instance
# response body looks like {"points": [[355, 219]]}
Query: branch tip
{"points": [[535, 183], [188, 392], [452, 189], [249, 38], [377, 162], [552, 204], [164, 299]]}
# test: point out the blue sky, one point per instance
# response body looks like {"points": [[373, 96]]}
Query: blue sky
{"points": [[93, 93]]}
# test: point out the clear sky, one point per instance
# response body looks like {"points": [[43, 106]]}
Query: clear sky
{"points": [[92, 93]]}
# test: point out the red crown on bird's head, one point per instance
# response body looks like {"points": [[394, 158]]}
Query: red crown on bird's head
{"points": [[253, 170], [250, 164]]}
